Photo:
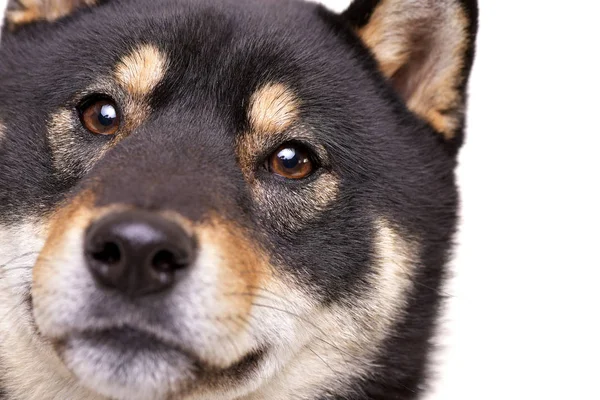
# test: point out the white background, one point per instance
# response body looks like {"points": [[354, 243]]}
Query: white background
{"points": [[524, 318]]}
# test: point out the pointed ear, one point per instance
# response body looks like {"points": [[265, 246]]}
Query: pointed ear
{"points": [[23, 12], [425, 47]]}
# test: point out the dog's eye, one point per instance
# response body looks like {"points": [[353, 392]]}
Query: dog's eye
{"points": [[100, 116], [291, 161]]}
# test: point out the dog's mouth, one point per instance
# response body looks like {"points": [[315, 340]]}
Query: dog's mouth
{"points": [[128, 359], [128, 342]]}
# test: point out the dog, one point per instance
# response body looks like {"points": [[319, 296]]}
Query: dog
{"points": [[227, 199]]}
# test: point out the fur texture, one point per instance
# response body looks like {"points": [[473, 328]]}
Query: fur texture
{"points": [[321, 287]]}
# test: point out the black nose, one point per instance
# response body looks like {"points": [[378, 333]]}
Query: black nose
{"points": [[137, 252]]}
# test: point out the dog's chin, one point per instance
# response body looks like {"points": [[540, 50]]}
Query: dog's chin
{"points": [[130, 364], [127, 364]]}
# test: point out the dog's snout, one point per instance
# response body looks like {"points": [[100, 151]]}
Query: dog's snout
{"points": [[137, 252]]}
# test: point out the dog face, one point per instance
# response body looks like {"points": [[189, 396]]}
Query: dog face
{"points": [[225, 199]]}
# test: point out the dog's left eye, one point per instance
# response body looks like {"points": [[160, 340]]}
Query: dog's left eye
{"points": [[100, 116], [291, 161]]}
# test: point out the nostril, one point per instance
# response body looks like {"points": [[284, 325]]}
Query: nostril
{"points": [[109, 254], [167, 261], [106, 262]]}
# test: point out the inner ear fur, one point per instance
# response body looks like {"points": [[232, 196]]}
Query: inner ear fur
{"points": [[23, 12], [425, 48]]}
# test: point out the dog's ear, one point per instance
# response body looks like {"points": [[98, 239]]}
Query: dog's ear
{"points": [[23, 12], [425, 47]]}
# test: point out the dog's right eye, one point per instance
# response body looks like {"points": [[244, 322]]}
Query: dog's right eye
{"points": [[291, 161], [100, 116]]}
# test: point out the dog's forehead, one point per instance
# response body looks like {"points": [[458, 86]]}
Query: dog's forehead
{"points": [[203, 33], [191, 61], [204, 53], [205, 38]]}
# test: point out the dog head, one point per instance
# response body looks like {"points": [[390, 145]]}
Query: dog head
{"points": [[225, 198]]}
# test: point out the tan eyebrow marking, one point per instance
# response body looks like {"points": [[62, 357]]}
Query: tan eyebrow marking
{"points": [[273, 108], [44, 10], [142, 70]]}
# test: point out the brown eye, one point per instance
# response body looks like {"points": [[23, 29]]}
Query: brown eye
{"points": [[100, 117], [291, 161]]}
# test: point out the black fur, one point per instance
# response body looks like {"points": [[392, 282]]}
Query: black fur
{"points": [[360, 11], [390, 163]]}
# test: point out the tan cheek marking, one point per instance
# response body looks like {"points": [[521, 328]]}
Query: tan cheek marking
{"points": [[48, 10], [76, 215], [428, 77], [142, 70], [354, 330], [241, 266]]}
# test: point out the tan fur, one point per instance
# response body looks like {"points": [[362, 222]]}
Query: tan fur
{"points": [[135, 76], [334, 346], [76, 215], [319, 350], [312, 200], [216, 299], [313, 349], [421, 45], [29, 370], [274, 117], [61, 127], [138, 74], [243, 265], [44, 10], [238, 267], [142, 70], [273, 108]]}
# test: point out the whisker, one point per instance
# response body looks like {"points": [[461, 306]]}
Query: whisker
{"points": [[438, 291], [322, 359], [317, 337], [21, 267], [18, 258], [307, 347], [13, 308], [343, 352], [406, 275]]}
